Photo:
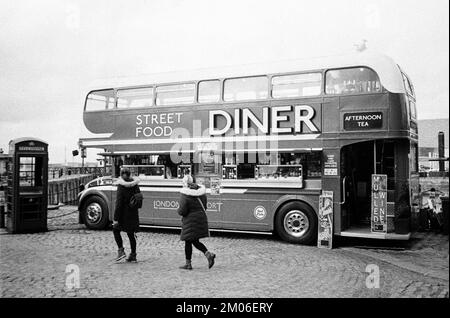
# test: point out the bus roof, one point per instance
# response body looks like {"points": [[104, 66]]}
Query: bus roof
{"points": [[387, 70]]}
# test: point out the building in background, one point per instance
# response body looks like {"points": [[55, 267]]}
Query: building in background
{"points": [[428, 143]]}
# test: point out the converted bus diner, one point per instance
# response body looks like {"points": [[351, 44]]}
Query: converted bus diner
{"points": [[265, 145]]}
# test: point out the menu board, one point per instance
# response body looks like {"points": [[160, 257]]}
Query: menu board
{"points": [[208, 168], [325, 228], [209, 165], [330, 166], [379, 203]]}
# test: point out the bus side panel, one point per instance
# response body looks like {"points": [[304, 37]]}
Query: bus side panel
{"points": [[99, 122], [248, 212], [161, 208], [399, 115], [145, 213], [255, 210]]}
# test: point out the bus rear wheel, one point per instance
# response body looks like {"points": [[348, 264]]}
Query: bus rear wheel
{"points": [[296, 222], [95, 213]]}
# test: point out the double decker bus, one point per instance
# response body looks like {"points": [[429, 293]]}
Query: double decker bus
{"points": [[266, 141]]}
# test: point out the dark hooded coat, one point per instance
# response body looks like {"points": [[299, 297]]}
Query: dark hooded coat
{"points": [[194, 221], [127, 217]]}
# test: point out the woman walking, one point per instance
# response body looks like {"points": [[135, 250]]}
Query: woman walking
{"points": [[126, 217], [192, 208]]}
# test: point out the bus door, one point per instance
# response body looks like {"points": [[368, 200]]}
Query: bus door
{"points": [[357, 162]]}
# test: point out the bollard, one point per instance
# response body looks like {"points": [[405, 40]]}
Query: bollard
{"points": [[2, 216], [445, 210]]}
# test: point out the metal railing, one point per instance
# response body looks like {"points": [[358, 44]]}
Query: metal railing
{"points": [[65, 190], [59, 172]]}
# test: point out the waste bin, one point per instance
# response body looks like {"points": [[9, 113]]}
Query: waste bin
{"points": [[26, 190], [445, 208]]}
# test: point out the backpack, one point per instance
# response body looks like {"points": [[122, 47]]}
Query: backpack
{"points": [[136, 200]]}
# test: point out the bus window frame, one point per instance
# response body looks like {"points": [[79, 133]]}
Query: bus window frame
{"points": [[410, 88], [116, 99], [194, 102], [209, 80], [101, 110], [410, 96], [268, 98], [322, 84], [324, 92]]}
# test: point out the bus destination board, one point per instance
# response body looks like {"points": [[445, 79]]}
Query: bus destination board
{"points": [[362, 121]]}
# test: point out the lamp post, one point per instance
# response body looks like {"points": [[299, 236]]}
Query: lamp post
{"points": [[441, 150]]}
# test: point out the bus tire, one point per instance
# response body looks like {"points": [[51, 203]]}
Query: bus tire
{"points": [[296, 222], [95, 213]]}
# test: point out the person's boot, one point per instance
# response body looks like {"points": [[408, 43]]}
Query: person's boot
{"points": [[120, 254], [132, 257], [188, 265], [210, 257]]}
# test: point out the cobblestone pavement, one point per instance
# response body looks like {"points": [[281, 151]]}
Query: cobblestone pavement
{"points": [[34, 265]]}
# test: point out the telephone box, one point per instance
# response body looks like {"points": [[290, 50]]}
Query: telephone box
{"points": [[26, 191]]}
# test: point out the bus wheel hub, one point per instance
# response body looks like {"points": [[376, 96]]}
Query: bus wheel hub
{"points": [[296, 223], [94, 212]]}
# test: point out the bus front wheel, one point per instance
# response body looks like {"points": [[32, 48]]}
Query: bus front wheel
{"points": [[296, 222], [95, 213]]}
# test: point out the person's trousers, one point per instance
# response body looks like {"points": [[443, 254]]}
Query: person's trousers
{"points": [[131, 237], [188, 248]]}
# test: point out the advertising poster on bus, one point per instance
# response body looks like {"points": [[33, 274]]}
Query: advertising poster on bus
{"points": [[325, 228], [379, 203], [215, 186]]}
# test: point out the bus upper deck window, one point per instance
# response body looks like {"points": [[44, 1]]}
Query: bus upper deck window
{"points": [[179, 94], [296, 85], [408, 85], [248, 88], [352, 81], [100, 100], [133, 98], [412, 109], [209, 91]]}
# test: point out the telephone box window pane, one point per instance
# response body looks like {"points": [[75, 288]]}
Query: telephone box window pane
{"points": [[208, 91], [134, 98], [352, 81], [27, 172], [248, 88], [296, 85]]}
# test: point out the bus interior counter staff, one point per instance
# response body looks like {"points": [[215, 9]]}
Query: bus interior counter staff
{"points": [[170, 167]]}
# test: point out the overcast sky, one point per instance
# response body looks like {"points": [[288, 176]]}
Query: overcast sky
{"points": [[51, 50]]}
